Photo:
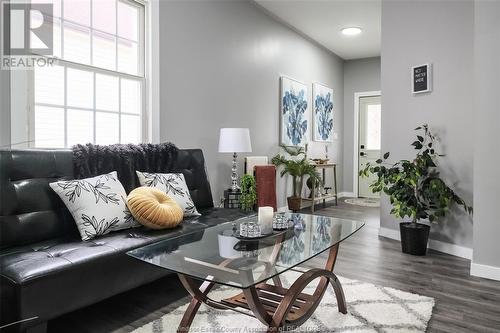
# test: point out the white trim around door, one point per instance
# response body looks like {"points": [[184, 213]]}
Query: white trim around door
{"points": [[355, 165]]}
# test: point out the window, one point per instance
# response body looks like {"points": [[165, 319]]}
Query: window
{"points": [[96, 92], [373, 126]]}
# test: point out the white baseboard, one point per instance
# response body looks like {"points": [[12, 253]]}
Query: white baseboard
{"points": [[448, 248], [389, 233], [485, 271], [346, 194], [453, 249]]}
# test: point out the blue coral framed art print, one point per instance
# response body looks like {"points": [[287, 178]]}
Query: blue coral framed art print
{"points": [[294, 116], [322, 100]]}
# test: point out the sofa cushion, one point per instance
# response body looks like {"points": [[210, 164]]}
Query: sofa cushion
{"points": [[191, 163], [40, 260], [97, 204], [174, 185], [153, 208], [30, 211]]}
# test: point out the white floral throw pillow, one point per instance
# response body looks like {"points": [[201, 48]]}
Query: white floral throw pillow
{"points": [[174, 185], [97, 204]]}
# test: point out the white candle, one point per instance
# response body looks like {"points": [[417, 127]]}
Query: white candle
{"points": [[266, 218], [226, 246]]}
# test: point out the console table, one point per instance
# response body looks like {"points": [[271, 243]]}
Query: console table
{"points": [[333, 194]]}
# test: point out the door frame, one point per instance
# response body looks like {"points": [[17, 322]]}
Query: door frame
{"points": [[357, 96]]}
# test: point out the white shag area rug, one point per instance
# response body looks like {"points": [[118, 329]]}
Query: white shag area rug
{"points": [[366, 202], [371, 309]]}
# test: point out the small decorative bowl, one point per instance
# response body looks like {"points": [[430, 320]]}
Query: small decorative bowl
{"points": [[320, 160]]}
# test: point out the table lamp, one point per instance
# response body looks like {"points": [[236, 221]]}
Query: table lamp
{"points": [[234, 140]]}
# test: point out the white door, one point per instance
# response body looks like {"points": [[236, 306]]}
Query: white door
{"points": [[369, 140]]}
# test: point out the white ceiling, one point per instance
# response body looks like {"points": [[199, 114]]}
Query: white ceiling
{"points": [[322, 20]]}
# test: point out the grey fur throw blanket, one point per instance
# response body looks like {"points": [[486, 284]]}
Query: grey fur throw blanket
{"points": [[91, 160]]}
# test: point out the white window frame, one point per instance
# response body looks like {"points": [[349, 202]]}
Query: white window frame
{"points": [[152, 69], [148, 52]]}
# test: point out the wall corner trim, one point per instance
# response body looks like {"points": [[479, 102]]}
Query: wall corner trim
{"points": [[485, 271], [448, 248]]}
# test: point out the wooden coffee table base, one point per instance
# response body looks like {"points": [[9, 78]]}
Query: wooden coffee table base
{"points": [[277, 307]]}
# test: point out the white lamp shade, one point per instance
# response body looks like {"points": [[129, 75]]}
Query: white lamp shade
{"points": [[234, 140]]}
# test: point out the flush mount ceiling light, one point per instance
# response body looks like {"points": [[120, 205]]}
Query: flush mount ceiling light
{"points": [[351, 31]]}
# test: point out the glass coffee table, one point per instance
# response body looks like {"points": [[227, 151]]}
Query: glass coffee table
{"points": [[217, 256]]}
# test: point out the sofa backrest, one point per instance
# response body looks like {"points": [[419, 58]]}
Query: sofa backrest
{"points": [[191, 163], [31, 212]]}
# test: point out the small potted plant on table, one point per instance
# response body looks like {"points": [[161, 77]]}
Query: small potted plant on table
{"points": [[248, 196], [298, 167], [415, 191]]}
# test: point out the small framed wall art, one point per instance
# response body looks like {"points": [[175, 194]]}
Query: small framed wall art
{"points": [[323, 121], [294, 116], [421, 77]]}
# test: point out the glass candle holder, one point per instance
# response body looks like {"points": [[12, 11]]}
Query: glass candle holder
{"points": [[253, 230], [244, 229], [280, 221]]}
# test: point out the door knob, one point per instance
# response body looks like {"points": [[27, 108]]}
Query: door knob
{"points": [[362, 154]]}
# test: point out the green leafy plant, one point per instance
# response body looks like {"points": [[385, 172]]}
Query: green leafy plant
{"points": [[297, 166], [415, 188], [248, 196]]}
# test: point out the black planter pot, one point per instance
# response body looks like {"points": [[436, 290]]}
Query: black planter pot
{"points": [[414, 237]]}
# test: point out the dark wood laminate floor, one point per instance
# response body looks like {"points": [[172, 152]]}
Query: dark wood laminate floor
{"points": [[463, 303]]}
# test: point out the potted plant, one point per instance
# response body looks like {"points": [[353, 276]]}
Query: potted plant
{"points": [[248, 196], [415, 191], [298, 167]]}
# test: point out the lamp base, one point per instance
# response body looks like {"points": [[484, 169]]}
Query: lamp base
{"points": [[234, 174]]}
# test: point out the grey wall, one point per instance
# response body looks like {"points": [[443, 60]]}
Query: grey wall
{"points": [[359, 75], [439, 32], [220, 67], [486, 157]]}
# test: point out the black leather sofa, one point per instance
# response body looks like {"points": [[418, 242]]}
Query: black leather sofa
{"points": [[45, 268]]}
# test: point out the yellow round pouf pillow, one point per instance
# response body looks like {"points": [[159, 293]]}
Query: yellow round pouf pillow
{"points": [[153, 208]]}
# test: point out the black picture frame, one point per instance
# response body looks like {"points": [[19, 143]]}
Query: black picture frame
{"points": [[421, 78]]}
